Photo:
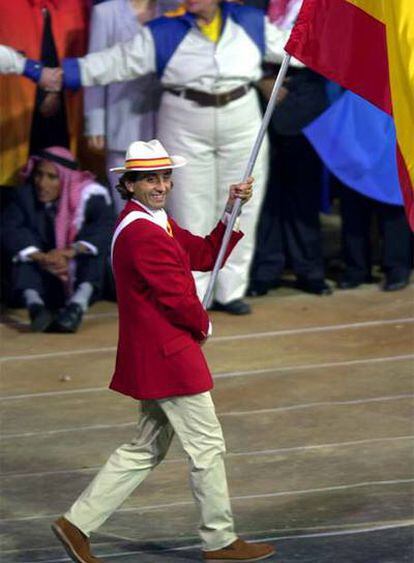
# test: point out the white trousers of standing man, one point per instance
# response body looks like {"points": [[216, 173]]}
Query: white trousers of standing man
{"points": [[217, 144], [114, 159], [194, 420]]}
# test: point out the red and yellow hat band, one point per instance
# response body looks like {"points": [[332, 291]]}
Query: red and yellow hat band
{"points": [[148, 162]]}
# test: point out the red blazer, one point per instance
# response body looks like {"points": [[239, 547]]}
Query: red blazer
{"points": [[161, 319]]}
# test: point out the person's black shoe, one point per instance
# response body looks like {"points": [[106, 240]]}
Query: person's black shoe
{"points": [[258, 288], [69, 318], [348, 284], [315, 286], [40, 317], [236, 307], [395, 281], [351, 282]]}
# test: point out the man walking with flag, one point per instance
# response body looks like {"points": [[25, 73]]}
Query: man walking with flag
{"points": [[162, 326]]}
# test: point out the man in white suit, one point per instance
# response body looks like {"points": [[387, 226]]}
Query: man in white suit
{"points": [[207, 56]]}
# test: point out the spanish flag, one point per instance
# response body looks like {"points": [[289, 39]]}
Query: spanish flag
{"points": [[366, 46]]}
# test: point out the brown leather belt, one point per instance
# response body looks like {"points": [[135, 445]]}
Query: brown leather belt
{"points": [[212, 100]]}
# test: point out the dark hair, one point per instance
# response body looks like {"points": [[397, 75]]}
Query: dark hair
{"points": [[132, 176]]}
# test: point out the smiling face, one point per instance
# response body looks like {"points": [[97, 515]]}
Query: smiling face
{"points": [[151, 188], [46, 181]]}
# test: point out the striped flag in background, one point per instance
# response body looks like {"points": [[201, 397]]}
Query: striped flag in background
{"points": [[367, 46]]}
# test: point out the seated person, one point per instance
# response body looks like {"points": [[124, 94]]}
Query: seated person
{"points": [[56, 230]]}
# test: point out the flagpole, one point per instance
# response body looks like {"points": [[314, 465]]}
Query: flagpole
{"points": [[208, 297]]}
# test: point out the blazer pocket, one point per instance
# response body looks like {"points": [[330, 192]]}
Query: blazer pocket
{"points": [[176, 344]]}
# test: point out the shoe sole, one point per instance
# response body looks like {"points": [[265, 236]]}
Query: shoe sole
{"points": [[245, 560], [59, 533], [65, 330], [222, 309]]}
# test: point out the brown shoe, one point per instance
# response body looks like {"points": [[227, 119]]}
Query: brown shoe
{"points": [[75, 543], [240, 550]]}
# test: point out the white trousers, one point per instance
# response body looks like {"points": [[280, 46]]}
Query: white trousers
{"points": [[114, 159], [217, 144], [194, 420]]}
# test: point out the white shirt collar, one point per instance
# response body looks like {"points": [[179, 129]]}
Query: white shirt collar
{"points": [[159, 215]]}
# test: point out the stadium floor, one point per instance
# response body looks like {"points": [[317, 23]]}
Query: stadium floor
{"points": [[315, 395]]}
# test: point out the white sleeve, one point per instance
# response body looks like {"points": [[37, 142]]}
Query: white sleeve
{"points": [[226, 218], [123, 61], [11, 62], [276, 39], [24, 254], [91, 247]]}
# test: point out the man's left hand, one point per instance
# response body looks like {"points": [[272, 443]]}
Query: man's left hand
{"points": [[243, 191]]}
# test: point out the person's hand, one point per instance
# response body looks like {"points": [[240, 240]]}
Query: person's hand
{"points": [[56, 263], [50, 104], [60, 255], [243, 191], [265, 86], [55, 254], [60, 270], [40, 258], [68, 253], [96, 143], [51, 79]]}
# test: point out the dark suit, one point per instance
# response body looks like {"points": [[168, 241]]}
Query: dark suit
{"points": [[27, 222], [357, 213], [289, 224]]}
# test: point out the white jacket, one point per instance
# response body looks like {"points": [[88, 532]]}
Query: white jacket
{"points": [[183, 57], [11, 61], [123, 112]]}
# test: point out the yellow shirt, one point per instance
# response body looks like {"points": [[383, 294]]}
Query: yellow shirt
{"points": [[212, 30]]}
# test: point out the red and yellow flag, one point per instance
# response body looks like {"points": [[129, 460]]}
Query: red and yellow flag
{"points": [[367, 46]]}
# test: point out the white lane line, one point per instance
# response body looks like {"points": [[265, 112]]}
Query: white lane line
{"points": [[347, 532], [285, 332], [155, 507], [249, 373], [365, 528], [220, 414], [29, 357], [304, 367], [276, 451], [311, 447], [320, 404], [15, 320], [311, 329]]}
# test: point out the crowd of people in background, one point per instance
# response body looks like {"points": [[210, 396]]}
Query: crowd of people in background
{"points": [[197, 78]]}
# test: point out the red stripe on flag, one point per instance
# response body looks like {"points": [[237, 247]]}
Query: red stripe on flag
{"points": [[407, 188], [345, 44]]}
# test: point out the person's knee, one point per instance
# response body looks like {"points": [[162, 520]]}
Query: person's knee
{"points": [[205, 450]]}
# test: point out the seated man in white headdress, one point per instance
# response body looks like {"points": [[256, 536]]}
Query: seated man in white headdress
{"points": [[56, 230]]}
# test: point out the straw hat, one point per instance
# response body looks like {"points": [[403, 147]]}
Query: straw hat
{"points": [[141, 157]]}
